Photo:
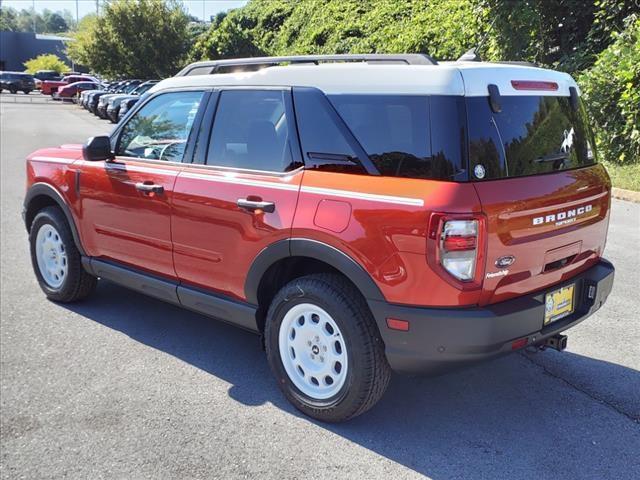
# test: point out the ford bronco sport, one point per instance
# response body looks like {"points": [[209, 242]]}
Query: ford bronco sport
{"points": [[362, 213]]}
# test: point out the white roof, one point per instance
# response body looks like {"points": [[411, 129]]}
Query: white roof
{"points": [[446, 78]]}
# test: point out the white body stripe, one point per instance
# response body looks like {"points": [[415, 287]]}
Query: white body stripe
{"points": [[372, 197], [241, 181]]}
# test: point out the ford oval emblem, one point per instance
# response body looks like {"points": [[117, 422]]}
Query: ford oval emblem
{"points": [[505, 261]]}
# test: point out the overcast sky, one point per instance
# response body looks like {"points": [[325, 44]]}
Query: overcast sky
{"points": [[195, 7]]}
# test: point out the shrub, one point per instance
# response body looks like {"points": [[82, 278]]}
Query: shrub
{"points": [[46, 62], [611, 89], [134, 38]]}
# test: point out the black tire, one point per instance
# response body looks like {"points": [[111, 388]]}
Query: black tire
{"points": [[78, 284], [13, 90], [27, 92], [368, 373]]}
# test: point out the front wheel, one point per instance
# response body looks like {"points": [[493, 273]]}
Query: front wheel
{"points": [[56, 260], [324, 348]]}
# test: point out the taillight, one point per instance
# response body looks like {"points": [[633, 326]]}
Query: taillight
{"points": [[456, 248], [534, 85], [459, 248]]}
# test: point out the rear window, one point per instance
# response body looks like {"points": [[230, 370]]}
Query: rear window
{"points": [[531, 135], [396, 133]]}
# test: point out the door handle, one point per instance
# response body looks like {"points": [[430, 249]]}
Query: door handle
{"points": [[149, 187], [253, 205]]}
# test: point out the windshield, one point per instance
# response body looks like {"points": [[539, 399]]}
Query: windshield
{"points": [[142, 88], [531, 135], [130, 88]]}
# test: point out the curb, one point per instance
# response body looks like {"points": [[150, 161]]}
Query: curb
{"points": [[628, 195]]}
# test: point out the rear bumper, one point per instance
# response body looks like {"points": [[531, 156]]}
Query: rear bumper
{"points": [[441, 339]]}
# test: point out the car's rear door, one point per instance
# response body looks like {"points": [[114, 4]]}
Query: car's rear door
{"points": [[241, 194], [126, 203], [546, 199]]}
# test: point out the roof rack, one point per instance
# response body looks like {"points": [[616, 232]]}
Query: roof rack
{"points": [[256, 63]]}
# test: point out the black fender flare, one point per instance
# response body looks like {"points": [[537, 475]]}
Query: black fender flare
{"points": [[302, 247], [44, 189]]}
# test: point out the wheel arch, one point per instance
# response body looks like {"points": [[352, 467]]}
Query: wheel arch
{"points": [[295, 257], [41, 195]]}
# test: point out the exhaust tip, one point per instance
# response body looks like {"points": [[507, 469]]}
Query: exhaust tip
{"points": [[557, 342]]}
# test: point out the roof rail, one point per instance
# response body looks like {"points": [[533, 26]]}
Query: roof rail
{"points": [[255, 63]]}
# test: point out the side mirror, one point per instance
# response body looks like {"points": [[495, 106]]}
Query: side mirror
{"points": [[97, 149]]}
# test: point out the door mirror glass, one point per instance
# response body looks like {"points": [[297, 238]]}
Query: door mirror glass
{"points": [[97, 149]]}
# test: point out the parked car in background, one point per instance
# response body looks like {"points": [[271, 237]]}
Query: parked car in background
{"points": [[114, 102], [126, 106], [49, 87], [92, 103], [17, 81], [42, 75], [86, 95], [73, 89], [130, 86]]}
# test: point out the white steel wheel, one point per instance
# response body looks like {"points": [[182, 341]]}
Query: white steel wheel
{"points": [[51, 256], [313, 351]]}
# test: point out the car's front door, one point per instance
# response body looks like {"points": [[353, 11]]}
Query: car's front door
{"points": [[242, 196], [126, 202]]}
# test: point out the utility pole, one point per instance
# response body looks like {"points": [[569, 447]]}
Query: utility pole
{"points": [[204, 20], [73, 64], [33, 8], [97, 8]]}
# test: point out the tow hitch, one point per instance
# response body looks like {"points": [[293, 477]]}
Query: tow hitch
{"points": [[557, 342]]}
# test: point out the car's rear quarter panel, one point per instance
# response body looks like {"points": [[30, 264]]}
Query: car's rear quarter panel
{"points": [[381, 223]]}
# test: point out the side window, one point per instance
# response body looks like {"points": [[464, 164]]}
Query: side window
{"points": [[392, 129], [251, 131], [323, 144], [160, 129]]}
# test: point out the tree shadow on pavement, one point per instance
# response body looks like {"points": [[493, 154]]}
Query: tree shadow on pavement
{"points": [[512, 417]]}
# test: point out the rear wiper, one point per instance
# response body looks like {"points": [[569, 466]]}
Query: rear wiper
{"points": [[554, 157]]}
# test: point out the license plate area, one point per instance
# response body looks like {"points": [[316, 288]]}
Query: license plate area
{"points": [[559, 303]]}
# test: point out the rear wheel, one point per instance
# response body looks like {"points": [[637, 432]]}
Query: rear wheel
{"points": [[324, 348], [27, 92], [13, 90], [56, 260]]}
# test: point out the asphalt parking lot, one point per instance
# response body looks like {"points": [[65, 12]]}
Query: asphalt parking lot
{"points": [[123, 386]]}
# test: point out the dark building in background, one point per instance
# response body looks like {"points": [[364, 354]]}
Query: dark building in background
{"points": [[18, 47]]}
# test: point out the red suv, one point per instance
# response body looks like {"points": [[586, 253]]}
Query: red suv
{"points": [[362, 213]]}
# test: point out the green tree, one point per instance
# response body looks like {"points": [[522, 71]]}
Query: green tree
{"points": [[133, 38], [612, 93], [8, 19], [69, 18], [227, 39], [26, 20], [54, 22], [46, 62]]}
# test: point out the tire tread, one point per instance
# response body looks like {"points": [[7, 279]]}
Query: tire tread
{"points": [[376, 371]]}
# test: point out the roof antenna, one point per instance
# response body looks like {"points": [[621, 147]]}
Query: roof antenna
{"points": [[471, 55]]}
